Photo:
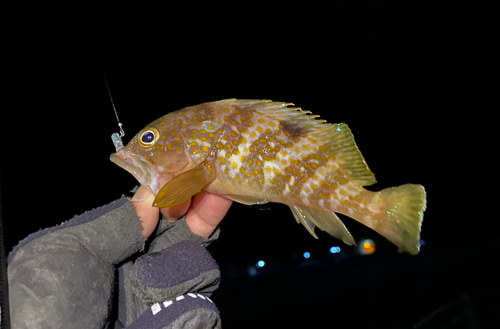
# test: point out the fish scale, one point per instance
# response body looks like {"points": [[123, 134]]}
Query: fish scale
{"points": [[258, 151]]}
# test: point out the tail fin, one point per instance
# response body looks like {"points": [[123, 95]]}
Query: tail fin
{"points": [[400, 219]]}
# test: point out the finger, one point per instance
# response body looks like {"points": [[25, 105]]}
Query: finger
{"points": [[206, 212], [148, 215], [176, 212]]}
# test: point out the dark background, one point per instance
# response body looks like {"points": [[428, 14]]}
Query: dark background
{"points": [[412, 81]]}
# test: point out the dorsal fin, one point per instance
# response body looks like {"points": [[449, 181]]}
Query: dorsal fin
{"points": [[337, 138]]}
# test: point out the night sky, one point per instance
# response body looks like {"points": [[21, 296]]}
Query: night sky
{"points": [[412, 82]]}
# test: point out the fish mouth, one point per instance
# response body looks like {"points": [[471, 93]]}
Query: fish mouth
{"points": [[140, 168]]}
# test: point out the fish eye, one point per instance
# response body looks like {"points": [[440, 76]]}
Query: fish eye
{"points": [[148, 137]]}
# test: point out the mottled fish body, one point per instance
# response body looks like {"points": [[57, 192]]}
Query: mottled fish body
{"points": [[258, 151]]}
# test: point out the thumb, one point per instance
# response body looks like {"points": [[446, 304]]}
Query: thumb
{"points": [[148, 215]]}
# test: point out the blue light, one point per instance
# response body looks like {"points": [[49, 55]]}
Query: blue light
{"points": [[307, 255], [261, 263], [335, 250], [422, 242]]}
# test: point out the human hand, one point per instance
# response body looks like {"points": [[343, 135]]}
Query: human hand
{"points": [[203, 212]]}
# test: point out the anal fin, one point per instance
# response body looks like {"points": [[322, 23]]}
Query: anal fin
{"points": [[326, 220], [182, 187]]}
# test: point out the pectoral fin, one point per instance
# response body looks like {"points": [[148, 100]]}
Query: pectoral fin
{"points": [[182, 187], [325, 220]]}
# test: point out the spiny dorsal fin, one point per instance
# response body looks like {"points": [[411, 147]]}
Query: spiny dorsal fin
{"points": [[337, 138]]}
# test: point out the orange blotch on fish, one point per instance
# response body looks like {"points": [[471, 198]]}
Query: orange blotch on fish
{"points": [[169, 146], [211, 135], [210, 127], [163, 137], [251, 124], [196, 151], [203, 139], [178, 122], [222, 160], [162, 123], [262, 181], [226, 118], [263, 141], [226, 110], [164, 129], [306, 147], [205, 149], [242, 170], [277, 132]]}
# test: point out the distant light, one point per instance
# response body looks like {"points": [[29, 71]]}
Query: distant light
{"points": [[367, 247], [307, 255], [261, 263], [335, 250], [422, 242]]}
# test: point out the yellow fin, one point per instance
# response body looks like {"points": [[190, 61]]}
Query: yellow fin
{"points": [[401, 219], [337, 138], [327, 221], [344, 148], [182, 187], [246, 200]]}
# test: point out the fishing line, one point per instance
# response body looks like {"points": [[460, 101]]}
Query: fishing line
{"points": [[115, 137]]}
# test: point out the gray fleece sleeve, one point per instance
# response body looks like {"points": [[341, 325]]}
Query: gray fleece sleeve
{"points": [[63, 277]]}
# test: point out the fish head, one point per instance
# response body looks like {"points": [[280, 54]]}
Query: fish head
{"points": [[154, 156]]}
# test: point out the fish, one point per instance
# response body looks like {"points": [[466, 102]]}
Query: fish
{"points": [[259, 151]]}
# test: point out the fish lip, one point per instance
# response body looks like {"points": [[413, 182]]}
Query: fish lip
{"points": [[139, 167]]}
